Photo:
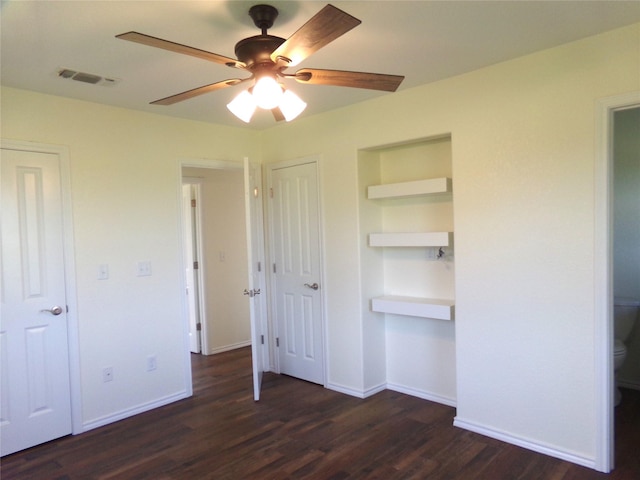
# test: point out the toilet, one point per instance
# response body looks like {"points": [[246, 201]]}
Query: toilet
{"points": [[625, 313]]}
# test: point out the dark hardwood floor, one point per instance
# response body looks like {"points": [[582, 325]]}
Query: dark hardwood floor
{"points": [[300, 431]]}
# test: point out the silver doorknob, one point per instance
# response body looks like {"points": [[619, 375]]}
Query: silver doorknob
{"points": [[251, 293], [313, 286], [57, 310]]}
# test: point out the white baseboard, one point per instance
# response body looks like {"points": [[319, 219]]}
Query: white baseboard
{"points": [[432, 397], [346, 390], [130, 412], [373, 390], [524, 443], [226, 348]]}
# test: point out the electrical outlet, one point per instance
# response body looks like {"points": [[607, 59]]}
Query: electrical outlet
{"points": [[103, 272], [144, 268], [107, 374], [152, 363]]}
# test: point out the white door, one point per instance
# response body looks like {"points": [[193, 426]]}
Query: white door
{"points": [[35, 386], [296, 271], [191, 266], [255, 261]]}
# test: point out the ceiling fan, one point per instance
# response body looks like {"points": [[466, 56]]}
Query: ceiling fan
{"points": [[267, 57]]}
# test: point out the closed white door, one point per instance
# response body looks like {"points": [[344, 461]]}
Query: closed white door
{"points": [[35, 386], [297, 272]]}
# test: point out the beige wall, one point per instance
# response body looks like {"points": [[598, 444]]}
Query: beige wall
{"points": [[125, 181], [523, 158], [523, 151]]}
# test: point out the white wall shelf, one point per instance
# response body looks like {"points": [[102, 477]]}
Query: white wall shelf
{"points": [[429, 186], [417, 307], [424, 239]]}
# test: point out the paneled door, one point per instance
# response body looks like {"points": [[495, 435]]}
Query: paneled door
{"points": [[297, 272], [35, 386]]}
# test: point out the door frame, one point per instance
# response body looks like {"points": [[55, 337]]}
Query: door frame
{"points": [[272, 323], [197, 232], [603, 269], [68, 247], [212, 164]]}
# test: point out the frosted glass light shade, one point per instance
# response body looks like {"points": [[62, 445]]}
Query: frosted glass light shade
{"points": [[291, 105], [267, 93], [243, 106]]}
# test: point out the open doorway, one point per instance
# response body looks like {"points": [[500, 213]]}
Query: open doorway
{"points": [[216, 257], [604, 275], [626, 253]]}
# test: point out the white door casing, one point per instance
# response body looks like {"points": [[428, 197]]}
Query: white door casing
{"points": [[190, 258], [603, 291], [35, 367], [255, 261], [296, 270]]}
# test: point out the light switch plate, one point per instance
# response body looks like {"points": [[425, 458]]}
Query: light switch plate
{"points": [[144, 268]]}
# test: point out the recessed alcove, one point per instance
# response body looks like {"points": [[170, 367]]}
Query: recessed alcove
{"points": [[407, 265]]}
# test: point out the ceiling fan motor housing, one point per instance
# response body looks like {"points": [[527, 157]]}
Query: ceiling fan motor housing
{"points": [[257, 50]]}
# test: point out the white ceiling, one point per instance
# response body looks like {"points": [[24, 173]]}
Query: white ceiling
{"points": [[423, 40]]}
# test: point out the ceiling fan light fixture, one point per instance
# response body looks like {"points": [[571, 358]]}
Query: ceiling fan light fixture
{"points": [[291, 105], [267, 92], [243, 106]]}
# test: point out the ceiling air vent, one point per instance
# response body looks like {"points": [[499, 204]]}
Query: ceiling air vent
{"points": [[86, 77]]}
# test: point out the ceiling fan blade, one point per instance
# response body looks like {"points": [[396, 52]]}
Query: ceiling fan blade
{"points": [[179, 48], [179, 97], [323, 28], [341, 78], [277, 114]]}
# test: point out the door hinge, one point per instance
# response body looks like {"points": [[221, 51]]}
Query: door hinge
{"points": [[259, 266], [271, 192], [198, 326], [195, 265], [193, 202], [274, 268], [277, 341], [262, 339], [255, 192]]}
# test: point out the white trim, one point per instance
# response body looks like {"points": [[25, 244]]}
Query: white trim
{"points": [[130, 412], [69, 269], [352, 392], [209, 163], [432, 397], [523, 442], [196, 183], [227, 348], [603, 279]]}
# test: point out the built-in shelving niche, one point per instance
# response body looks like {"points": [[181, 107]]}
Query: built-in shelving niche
{"points": [[407, 275], [407, 212]]}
